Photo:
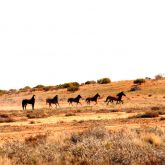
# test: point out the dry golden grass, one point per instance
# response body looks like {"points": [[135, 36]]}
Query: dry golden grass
{"points": [[153, 139], [5, 161], [96, 145], [69, 134]]}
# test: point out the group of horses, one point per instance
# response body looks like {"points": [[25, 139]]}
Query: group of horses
{"points": [[55, 100]]}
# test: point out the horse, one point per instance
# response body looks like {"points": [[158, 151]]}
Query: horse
{"points": [[76, 99], [53, 100], [30, 101], [94, 98], [118, 98]]}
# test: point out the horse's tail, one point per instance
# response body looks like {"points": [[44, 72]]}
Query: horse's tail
{"points": [[47, 101], [23, 104]]}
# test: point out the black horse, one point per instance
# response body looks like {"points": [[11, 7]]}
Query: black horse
{"points": [[53, 100], [94, 98], [76, 100], [118, 98], [26, 101]]}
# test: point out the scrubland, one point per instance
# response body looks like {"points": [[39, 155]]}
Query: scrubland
{"points": [[130, 133]]}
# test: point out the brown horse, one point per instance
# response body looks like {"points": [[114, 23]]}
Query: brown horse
{"points": [[94, 98], [76, 99], [54, 100], [118, 98]]}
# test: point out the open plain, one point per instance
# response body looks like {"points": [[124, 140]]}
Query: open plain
{"points": [[143, 110]]}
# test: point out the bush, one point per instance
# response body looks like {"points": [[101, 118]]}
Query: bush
{"points": [[27, 87], [12, 91], [139, 81], [36, 114], [4, 118], [104, 81], [48, 88], [73, 88], [67, 85], [90, 82], [70, 114], [149, 114], [158, 77], [2, 92], [134, 88], [39, 86]]}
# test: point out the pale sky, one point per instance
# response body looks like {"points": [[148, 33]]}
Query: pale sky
{"points": [[51, 42]]}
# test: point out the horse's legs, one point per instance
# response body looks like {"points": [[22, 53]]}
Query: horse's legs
{"points": [[58, 104], [50, 105], [32, 106], [79, 103], [70, 103]]}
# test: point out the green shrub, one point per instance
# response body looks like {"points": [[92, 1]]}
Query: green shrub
{"points": [[2, 92], [39, 86], [27, 87], [70, 86], [134, 88], [73, 88], [90, 82], [48, 88], [139, 81], [104, 81]]}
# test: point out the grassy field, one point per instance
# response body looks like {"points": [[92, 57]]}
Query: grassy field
{"points": [[129, 133]]}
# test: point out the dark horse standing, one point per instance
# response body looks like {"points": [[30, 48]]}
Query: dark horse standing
{"points": [[118, 98], [54, 100], [89, 99], [26, 101], [76, 100]]}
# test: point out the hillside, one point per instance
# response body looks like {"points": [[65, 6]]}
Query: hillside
{"points": [[152, 93]]}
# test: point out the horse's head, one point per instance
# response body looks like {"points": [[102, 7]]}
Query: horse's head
{"points": [[56, 96], [121, 94], [79, 96], [34, 96], [97, 95]]}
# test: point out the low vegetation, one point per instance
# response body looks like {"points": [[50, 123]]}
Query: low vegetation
{"points": [[4, 118], [148, 114], [134, 88], [93, 146], [104, 81], [90, 82], [2, 92], [159, 76], [139, 81]]}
